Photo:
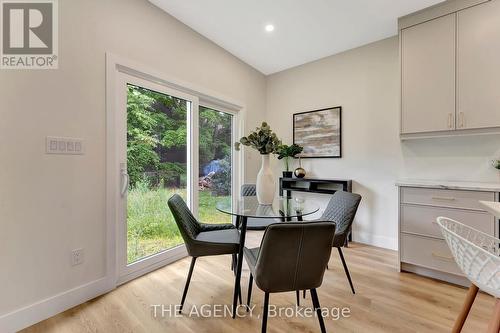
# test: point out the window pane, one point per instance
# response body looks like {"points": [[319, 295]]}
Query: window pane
{"points": [[216, 169], [156, 164]]}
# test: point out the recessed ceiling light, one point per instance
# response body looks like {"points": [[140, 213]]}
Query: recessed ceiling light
{"points": [[269, 27]]}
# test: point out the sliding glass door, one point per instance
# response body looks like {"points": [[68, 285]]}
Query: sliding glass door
{"points": [[167, 144], [216, 174], [156, 165]]}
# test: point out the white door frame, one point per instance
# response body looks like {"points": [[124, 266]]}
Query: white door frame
{"points": [[116, 69]]}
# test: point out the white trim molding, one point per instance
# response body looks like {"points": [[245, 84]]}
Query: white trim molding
{"points": [[375, 240], [24, 317]]}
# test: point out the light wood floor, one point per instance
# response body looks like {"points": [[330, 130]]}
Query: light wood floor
{"points": [[386, 301]]}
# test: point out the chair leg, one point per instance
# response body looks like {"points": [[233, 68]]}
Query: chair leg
{"points": [[469, 299], [193, 261], [233, 268], [233, 262], [264, 314], [346, 269], [494, 325], [239, 295], [317, 307], [304, 293], [297, 294], [249, 295]]}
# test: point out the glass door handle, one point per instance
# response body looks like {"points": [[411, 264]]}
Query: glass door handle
{"points": [[124, 178]]}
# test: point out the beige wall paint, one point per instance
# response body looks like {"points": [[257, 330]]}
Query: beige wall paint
{"points": [[365, 82], [51, 204]]}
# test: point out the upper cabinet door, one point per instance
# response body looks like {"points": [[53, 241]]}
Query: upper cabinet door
{"points": [[478, 68], [428, 76]]}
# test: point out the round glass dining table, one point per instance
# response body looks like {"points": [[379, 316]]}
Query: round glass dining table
{"points": [[282, 209]]}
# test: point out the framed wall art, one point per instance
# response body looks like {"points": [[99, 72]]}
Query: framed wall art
{"points": [[319, 132]]}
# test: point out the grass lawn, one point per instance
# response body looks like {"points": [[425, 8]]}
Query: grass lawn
{"points": [[151, 226]]}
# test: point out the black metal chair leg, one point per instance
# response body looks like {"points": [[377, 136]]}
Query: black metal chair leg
{"points": [[264, 314], [297, 293], [239, 295], [346, 269], [249, 295], [237, 290], [193, 261], [233, 262], [317, 307], [304, 293]]}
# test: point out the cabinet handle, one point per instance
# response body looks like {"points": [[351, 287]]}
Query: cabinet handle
{"points": [[442, 256], [444, 198], [450, 119], [461, 120]]}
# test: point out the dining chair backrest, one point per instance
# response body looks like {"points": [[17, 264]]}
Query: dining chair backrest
{"points": [[475, 252], [293, 256], [248, 190], [341, 209], [188, 225]]}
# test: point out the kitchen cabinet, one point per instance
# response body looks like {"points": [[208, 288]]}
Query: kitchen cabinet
{"points": [[428, 76], [478, 66]]}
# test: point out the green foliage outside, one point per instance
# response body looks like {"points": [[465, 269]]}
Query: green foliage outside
{"points": [[156, 123], [156, 161], [157, 137], [151, 226]]}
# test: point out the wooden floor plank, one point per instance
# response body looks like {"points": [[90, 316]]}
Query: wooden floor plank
{"points": [[385, 300]]}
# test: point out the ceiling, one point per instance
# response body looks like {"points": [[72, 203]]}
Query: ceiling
{"points": [[305, 30]]}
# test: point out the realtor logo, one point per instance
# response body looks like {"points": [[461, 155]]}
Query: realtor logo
{"points": [[29, 34]]}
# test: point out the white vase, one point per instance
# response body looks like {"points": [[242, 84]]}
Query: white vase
{"points": [[265, 182]]}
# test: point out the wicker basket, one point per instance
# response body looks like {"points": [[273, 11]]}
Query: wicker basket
{"points": [[476, 253]]}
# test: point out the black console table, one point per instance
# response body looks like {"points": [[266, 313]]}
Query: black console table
{"points": [[313, 185]]}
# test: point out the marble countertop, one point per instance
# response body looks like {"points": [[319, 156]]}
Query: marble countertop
{"points": [[452, 185], [492, 207]]}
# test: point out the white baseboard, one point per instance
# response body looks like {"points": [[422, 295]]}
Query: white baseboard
{"points": [[375, 240], [36, 312]]}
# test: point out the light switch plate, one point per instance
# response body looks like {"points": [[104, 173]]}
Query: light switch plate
{"points": [[64, 146]]}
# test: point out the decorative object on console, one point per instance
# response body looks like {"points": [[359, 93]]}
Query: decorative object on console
{"points": [[300, 172], [286, 152], [266, 142], [319, 132]]}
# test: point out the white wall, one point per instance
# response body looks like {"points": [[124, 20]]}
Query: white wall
{"points": [[365, 82], [51, 204]]}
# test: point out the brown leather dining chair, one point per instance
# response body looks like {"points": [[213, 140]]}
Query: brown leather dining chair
{"points": [[292, 256]]}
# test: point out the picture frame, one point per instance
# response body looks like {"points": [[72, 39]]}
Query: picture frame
{"points": [[319, 132]]}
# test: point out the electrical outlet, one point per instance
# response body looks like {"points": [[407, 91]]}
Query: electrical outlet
{"points": [[77, 257]]}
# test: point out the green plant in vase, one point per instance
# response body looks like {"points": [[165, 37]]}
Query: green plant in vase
{"points": [[496, 164], [266, 142], [285, 153], [263, 139]]}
